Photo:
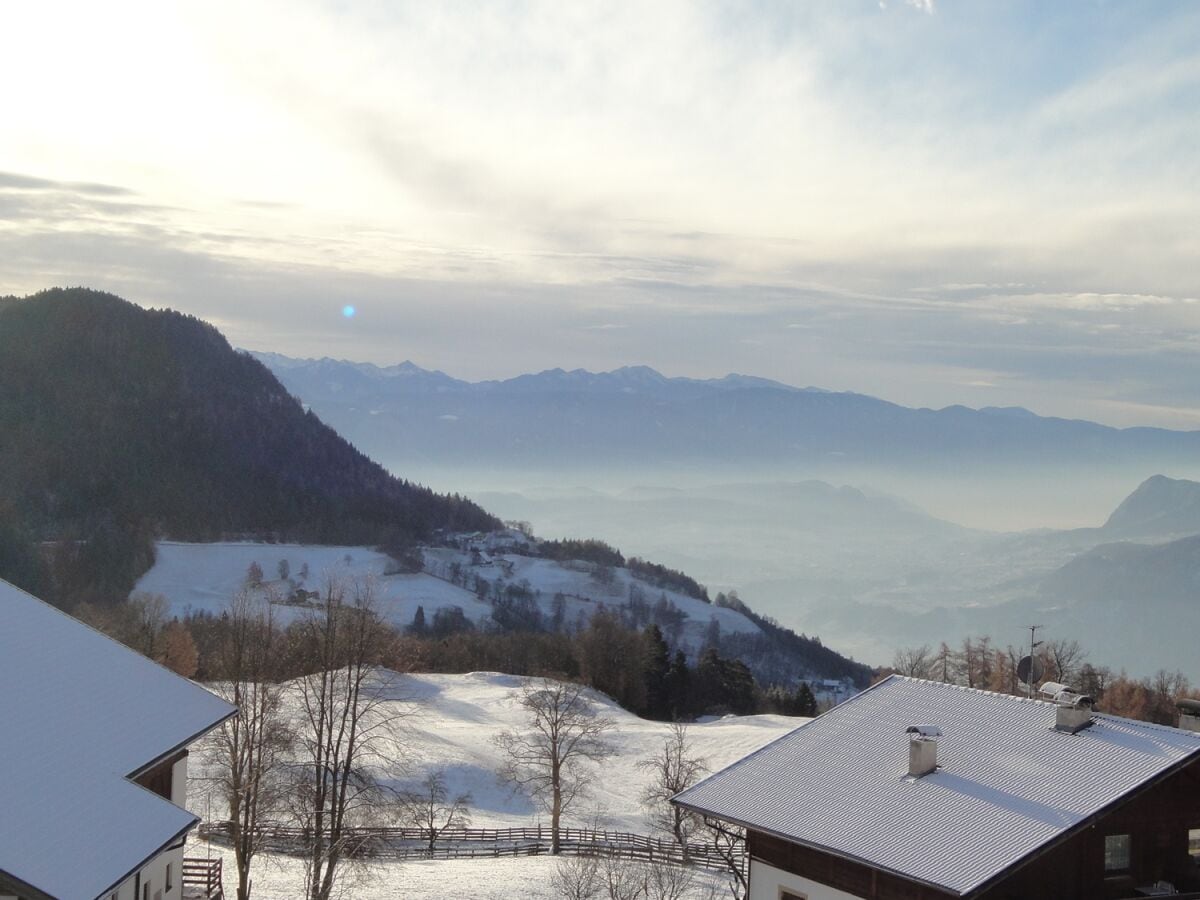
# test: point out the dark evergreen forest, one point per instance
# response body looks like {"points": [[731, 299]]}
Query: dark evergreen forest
{"points": [[122, 424]]}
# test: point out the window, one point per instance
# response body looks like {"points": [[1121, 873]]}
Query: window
{"points": [[170, 882], [1194, 845], [146, 890], [1117, 852], [785, 894]]}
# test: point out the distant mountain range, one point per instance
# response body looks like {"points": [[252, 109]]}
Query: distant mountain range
{"points": [[1160, 506], [123, 425], [1133, 604], [408, 414]]}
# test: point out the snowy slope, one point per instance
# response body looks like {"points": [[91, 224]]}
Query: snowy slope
{"points": [[457, 719], [202, 577]]}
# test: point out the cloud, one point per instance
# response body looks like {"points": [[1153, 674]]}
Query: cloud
{"points": [[816, 193], [16, 182]]}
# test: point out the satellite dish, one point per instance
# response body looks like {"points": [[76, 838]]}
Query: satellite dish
{"points": [[1030, 669]]}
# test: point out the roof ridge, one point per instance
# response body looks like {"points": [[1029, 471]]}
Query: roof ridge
{"points": [[1140, 723], [974, 690], [736, 763]]}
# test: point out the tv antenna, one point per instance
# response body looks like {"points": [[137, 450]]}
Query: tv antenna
{"points": [[1029, 669]]}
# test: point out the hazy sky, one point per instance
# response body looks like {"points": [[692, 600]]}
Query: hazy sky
{"points": [[929, 201]]}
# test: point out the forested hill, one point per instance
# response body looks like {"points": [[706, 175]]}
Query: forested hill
{"points": [[121, 424]]}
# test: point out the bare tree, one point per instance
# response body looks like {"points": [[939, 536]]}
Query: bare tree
{"points": [[915, 662], [576, 878], [548, 758], [248, 750], [622, 879], [430, 806], [672, 769], [1065, 658], [664, 882], [349, 713], [729, 841]]}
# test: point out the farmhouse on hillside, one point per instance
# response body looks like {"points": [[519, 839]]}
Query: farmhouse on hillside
{"points": [[916, 790], [93, 761]]}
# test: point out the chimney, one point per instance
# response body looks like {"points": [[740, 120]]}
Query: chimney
{"points": [[1189, 714], [1073, 710], [922, 749]]}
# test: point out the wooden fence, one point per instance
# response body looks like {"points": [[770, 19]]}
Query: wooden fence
{"points": [[204, 875], [466, 843]]}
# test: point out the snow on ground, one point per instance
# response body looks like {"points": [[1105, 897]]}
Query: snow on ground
{"points": [[282, 878], [457, 719], [203, 577]]}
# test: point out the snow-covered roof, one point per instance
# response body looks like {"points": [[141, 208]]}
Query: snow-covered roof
{"points": [[81, 713], [1007, 782]]}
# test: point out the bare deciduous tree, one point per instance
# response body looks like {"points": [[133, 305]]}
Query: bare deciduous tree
{"points": [[672, 769], [915, 662], [665, 882], [348, 728], [548, 759], [729, 841], [1063, 658], [576, 878], [430, 806], [622, 879], [247, 753]]}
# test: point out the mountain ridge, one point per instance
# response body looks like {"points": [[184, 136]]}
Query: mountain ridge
{"points": [[578, 417], [124, 423]]}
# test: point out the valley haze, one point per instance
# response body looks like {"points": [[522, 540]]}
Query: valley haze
{"points": [[826, 510]]}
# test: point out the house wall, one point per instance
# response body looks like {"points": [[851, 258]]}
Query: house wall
{"points": [[154, 874], [768, 883], [1157, 819], [163, 779], [179, 782], [845, 877]]}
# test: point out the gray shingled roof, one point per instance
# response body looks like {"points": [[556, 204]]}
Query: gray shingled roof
{"points": [[81, 713], [1007, 783]]}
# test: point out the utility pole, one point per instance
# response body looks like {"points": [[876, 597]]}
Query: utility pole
{"points": [[1033, 645]]}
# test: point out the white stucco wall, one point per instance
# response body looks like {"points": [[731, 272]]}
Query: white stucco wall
{"points": [[154, 873], [766, 881], [179, 783]]}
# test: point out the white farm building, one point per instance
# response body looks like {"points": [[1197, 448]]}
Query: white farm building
{"points": [[93, 761]]}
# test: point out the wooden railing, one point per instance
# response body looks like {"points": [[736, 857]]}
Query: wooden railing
{"points": [[460, 843], [204, 874]]}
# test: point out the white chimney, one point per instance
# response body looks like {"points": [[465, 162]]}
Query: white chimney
{"points": [[1189, 714], [1073, 710], [922, 749]]}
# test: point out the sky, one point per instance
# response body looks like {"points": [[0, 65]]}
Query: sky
{"points": [[929, 201]]}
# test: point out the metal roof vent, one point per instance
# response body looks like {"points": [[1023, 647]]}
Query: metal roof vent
{"points": [[1073, 711], [922, 749], [1189, 714]]}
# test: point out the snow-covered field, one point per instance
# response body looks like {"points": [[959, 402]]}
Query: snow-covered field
{"points": [[527, 877], [455, 718], [203, 577], [453, 728]]}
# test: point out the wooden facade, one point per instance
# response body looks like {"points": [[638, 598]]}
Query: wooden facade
{"points": [[159, 778], [1157, 818]]}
